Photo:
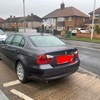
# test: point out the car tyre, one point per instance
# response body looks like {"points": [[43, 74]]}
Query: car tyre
{"points": [[21, 74]]}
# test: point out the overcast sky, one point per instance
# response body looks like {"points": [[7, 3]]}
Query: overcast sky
{"points": [[42, 7]]}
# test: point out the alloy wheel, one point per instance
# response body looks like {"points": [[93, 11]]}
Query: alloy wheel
{"points": [[20, 71]]}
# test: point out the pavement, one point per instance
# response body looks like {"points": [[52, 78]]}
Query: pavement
{"points": [[3, 96]]}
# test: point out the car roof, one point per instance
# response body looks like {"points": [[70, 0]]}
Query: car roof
{"points": [[32, 33]]}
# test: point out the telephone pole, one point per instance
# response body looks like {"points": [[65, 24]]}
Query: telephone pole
{"points": [[93, 20], [24, 15]]}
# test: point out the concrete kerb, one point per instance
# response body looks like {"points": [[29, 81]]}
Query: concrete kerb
{"points": [[83, 71], [3, 96]]}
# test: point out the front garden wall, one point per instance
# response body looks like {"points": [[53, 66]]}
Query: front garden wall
{"points": [[88, 35]]}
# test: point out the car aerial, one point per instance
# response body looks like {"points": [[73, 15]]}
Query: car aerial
{"points": [[39, 56], [3, 36]]}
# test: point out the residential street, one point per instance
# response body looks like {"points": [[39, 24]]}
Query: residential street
{"points": [[35, 65]]}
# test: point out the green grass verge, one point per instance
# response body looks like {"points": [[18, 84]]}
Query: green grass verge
{"points": [[83, 39]]}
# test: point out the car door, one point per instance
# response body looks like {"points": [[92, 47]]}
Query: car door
{"points": [[4, 49], [15, 48], [9, 49]]}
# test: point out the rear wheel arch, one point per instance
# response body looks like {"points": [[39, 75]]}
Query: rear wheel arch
{"points": [[17, 63], [19, 59]]}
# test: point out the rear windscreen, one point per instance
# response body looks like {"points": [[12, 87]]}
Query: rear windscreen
{"points": [[42, 41]]}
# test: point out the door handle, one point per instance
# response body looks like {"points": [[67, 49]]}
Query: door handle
{"points": [[17, 50], [8, 47]]}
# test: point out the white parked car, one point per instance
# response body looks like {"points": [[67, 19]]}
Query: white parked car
{"points": [[83, 30], [3, 36]]}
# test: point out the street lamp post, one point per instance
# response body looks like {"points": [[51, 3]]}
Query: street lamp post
{"points": [[93, 20], [24, 15]]}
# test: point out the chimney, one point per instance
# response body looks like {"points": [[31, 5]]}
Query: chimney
{"points": [[28, 15], [13, 16], [62, 6], [10, 16], [31, 14]]}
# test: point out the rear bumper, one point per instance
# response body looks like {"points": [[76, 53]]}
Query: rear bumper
{"points": [[54, 73]]}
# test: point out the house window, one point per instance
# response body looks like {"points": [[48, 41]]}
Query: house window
{"points": [[69, 18], [83, 19], [97, 16], [60, 19]]}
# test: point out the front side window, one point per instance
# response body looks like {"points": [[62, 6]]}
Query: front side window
{"points": [[44, 41], [9, 39]]}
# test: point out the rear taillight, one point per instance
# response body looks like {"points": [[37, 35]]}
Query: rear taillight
{"points": [[44, 59], [75, 57], [76, 54]]}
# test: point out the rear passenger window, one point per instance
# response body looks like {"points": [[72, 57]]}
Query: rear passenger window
{"points": [[16, 41]]}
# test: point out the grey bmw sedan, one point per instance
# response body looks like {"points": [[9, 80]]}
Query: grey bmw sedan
{"points": [[39, 56]]}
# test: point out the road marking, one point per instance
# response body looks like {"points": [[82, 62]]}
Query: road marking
{"points": [[11, 83], [3, 96], [21, 95]]}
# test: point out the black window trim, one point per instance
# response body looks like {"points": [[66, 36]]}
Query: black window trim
{"points": [[21, 41]]}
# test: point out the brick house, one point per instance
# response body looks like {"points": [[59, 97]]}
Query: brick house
{"points": [[31, 21], [66, 18], [11, 22], [1, 22], [88, 23]]}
